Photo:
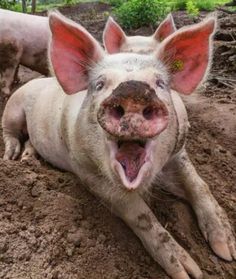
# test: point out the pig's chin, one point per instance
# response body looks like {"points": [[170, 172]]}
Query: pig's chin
{"points": [[131, 160]]}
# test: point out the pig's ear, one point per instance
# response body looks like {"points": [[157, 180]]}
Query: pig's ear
{"points": [[73, 51], [166, 28], [187, 55], [113, 36]]}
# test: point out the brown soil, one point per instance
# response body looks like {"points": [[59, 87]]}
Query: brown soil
{"points": [[52, 228]]}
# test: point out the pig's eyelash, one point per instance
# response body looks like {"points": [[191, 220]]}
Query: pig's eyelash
{"points": [[97, 79], [88, 64], [85, 66]]}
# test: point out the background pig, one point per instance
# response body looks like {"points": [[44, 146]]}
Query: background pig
{"points": [[23, 40], [125, 133], [115, 39]]}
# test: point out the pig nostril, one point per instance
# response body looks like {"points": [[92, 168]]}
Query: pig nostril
{"points": [[150, 112], [117, 112]]}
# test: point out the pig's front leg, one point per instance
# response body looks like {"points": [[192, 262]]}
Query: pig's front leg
{"points": [[213, 221], [159, 243], [130, 207]]}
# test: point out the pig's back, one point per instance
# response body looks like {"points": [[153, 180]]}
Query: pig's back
{"points": [[18, 23], [29, 33]]}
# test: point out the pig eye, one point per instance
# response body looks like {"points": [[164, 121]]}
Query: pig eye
{"points": [[99, 85], [160, 83]]}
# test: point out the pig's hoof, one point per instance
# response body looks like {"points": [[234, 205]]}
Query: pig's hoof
{"points": [[6, 93], [28, 155], [186, 266], [182, 275], [217, 231], [12, 149], [176, 261]]}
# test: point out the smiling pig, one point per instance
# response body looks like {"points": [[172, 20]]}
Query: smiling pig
{"points": [[125, 133]]}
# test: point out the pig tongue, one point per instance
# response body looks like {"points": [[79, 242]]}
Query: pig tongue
{"points": [[131, 156]]}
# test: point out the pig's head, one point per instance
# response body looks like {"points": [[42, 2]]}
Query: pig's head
{"points": [[115, 39], [127, 119]]}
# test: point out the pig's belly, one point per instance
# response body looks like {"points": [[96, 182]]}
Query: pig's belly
{"points": [[52, 150], [43, 116], [50, 118], [50, 145]]}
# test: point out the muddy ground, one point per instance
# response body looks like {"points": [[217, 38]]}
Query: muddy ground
{"points": [[52, 228]]}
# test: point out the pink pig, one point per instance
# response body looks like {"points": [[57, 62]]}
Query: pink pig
{"points": [[23, 40], [115, 39], [125, 133]]}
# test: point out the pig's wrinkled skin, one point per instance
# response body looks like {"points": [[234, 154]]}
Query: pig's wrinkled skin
{"points": [[23, 40], [68, 131], [115, 40]]}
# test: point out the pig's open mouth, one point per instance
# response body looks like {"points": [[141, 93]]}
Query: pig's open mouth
{"points": [[131, 160]]}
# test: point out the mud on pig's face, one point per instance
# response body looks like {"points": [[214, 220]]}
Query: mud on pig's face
{"points": [[132, 104]]}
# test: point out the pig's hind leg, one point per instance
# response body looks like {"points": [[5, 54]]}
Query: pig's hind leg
{"points": [[184, 181], [29, 152], [10, 54], [14, 126]]}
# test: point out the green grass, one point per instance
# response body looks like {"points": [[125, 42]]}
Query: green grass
{"points": [[47, 6], [40, 8], [202, 5], [206, 5]]}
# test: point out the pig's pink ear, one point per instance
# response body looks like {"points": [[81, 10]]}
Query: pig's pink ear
{"points": [[166, 28], [73, 51], [187, 55], [113, 36]]}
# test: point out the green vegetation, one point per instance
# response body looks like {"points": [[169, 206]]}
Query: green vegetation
{"points": [[49, 6], [115, 3], [6, 4], [16, 5], [206, 5], [136, 13], [192, 8], [130, 13]]}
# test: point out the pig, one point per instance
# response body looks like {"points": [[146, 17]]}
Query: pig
{"points": [[118, 123], [23, 40], [115, 39]]}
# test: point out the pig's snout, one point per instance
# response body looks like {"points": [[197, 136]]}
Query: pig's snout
{"points": [[133, 111]]}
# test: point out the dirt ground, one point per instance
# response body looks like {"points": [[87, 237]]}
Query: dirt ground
{"points": [[52, 228]]}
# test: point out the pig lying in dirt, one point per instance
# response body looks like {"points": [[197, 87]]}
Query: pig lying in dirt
{"points": [[115, 39], [125, 133], [23, 40]]}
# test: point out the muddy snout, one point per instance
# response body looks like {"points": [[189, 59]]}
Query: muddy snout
{"points": [[133, 111]]}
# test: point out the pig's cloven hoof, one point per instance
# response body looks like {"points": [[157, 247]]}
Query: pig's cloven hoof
{"points": [[184, 275], [217, 230], [175, 260], [12, 149], [222, 250], [28, 154], [6, 93]]}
